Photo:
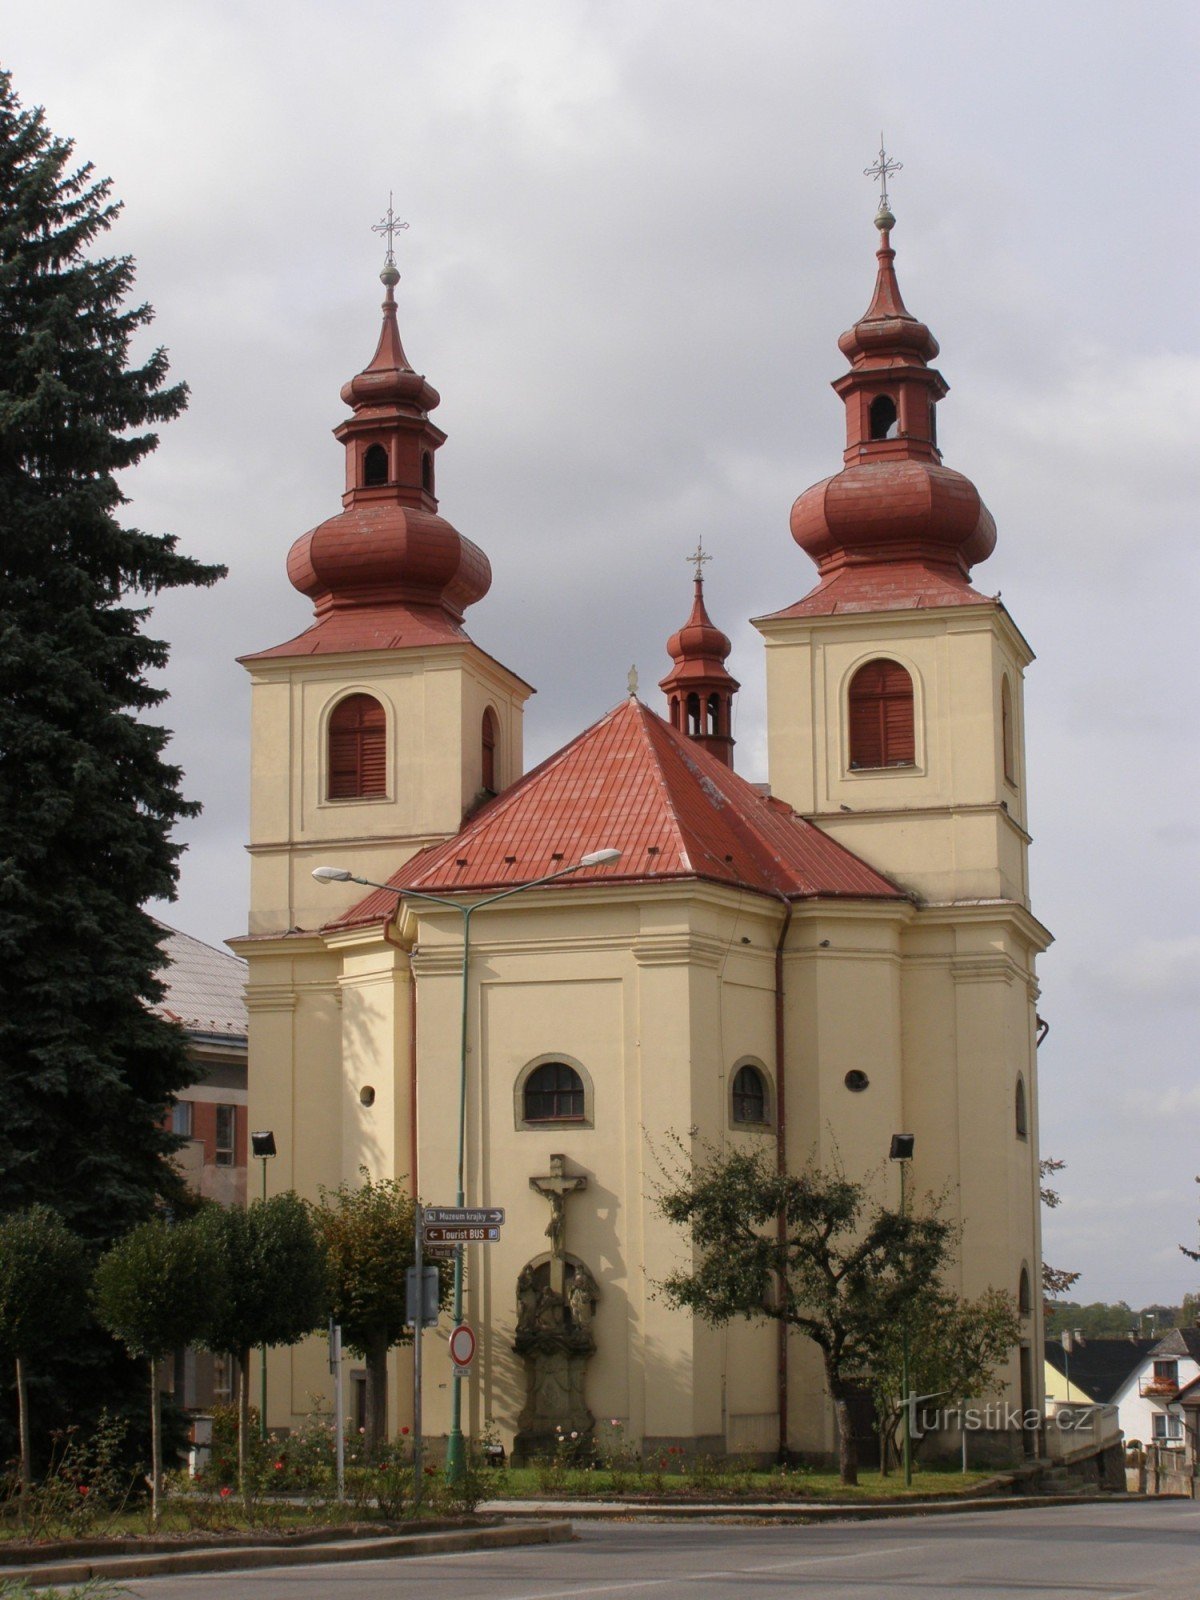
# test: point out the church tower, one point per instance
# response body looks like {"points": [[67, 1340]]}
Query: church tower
{"points": [[379, 727], [895, 703]]}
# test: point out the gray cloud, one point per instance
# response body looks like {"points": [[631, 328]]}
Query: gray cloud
{"points": [[636, 234]]}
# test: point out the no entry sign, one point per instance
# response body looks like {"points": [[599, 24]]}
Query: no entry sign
{"points": [[462, 1346]]}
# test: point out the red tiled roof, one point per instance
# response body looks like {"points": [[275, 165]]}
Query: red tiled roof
{"points": [[384, 627], [632, 783], [885, 586]]}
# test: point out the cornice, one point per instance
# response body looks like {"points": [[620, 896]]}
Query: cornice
{"points": [[676, 949], [405, 661], [872, 813], [934, 619], [1009, 912]]}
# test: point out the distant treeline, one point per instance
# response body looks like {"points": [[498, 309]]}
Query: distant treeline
{"points": [[1101, 1321]]}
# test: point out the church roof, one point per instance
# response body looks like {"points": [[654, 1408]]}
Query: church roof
{"points": [[633, 783]]}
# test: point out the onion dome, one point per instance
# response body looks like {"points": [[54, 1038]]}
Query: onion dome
{"points": [[388, 557], [699, 690], [894, 502]]}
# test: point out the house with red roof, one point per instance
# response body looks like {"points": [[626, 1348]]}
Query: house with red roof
{"points": [[656, 947]]}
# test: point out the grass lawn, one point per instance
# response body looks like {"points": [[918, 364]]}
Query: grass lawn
{"points": [[797, 1483]]}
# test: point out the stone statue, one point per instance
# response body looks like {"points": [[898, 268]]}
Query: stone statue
{"points": [[556, 1303]]}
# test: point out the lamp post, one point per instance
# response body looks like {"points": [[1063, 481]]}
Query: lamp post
{"points": [[455, 1447], [263, 1146], [901, 1151]]}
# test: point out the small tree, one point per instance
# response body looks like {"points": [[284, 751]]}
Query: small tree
{"points": [[157, 1289], [839, 1268], [43, 1296], [955, 1348], [368, 1237], [274, 1290]]}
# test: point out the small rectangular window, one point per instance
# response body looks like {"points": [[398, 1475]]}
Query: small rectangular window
{"points": [[1167, 1371], [181, 1118], [226, 1135]]}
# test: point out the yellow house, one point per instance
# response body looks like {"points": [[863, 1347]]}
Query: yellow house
{"points": [[813, 968]]}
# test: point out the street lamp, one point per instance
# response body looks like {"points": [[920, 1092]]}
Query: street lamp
{"points": [[263, 1147], [455, 1448], [901, 1151]]}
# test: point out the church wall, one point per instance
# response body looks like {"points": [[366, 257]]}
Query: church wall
{"points": [[843, 1011]]}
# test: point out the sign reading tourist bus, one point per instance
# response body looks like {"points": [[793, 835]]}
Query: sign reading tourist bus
{"points": [[461, 1235], [466, 1216]]}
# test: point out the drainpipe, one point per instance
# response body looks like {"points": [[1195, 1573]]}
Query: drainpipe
{"points": [[781, 1160]]}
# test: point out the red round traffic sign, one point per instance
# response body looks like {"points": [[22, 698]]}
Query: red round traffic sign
{"points": [[462, 1346]]}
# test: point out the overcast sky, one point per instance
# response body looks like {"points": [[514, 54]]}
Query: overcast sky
{"points": [[636, 233]]}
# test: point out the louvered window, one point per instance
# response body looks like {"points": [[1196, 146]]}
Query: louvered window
{"points": [[881, 716], [1007, 740], [489, 751], [357, 749]]}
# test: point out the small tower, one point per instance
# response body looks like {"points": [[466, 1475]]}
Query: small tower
{"points": [[698, 688], [377, 728]]}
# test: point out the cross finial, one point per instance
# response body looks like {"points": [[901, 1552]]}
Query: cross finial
{"points": [[882, 169], [698, 560], [391, 227]]}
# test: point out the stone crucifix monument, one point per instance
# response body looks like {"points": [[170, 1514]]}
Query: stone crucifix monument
{"points": [[556, 1298]]}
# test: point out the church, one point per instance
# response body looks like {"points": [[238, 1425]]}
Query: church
{"points": [[808, 966]]}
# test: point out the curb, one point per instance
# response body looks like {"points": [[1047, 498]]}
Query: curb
{"points": [[252, 1556], [796, 1511]]}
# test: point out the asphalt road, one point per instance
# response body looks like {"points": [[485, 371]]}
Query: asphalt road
{"points": [[1121, 1551]]}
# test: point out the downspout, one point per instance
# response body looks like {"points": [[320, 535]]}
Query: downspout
{"points": [[781, 1161], [412, 1054]]}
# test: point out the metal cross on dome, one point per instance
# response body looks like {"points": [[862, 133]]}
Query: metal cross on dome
{"points": [[883, 169], [698, 560], [391, 227]]}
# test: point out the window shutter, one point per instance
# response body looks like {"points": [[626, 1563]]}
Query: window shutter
{"points": [[357, 749], [881, 716]]}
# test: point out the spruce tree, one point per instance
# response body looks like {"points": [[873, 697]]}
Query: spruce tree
{"points": [[87, 800]]}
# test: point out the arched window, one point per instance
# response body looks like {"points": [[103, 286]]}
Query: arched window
{"points": [[1007, 740], [751, 1100], [357, 749], [553, 1093], [1021, 1116], [714, 713], [693, 716], [884, 419], [374, 466], [1024, 1296], [489, 751], [427, 472], [881, 716]]}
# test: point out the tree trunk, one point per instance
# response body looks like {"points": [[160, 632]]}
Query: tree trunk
{"points": [[377, 1395], [23, 1416], [155, 1442], [847, 1449], [243, 1361]]}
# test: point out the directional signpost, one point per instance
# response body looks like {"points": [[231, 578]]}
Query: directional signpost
{"points": [[441, 1231]]}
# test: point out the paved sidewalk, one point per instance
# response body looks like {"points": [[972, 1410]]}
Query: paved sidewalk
{"points": [[230, 1558], [787, 1510]]}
